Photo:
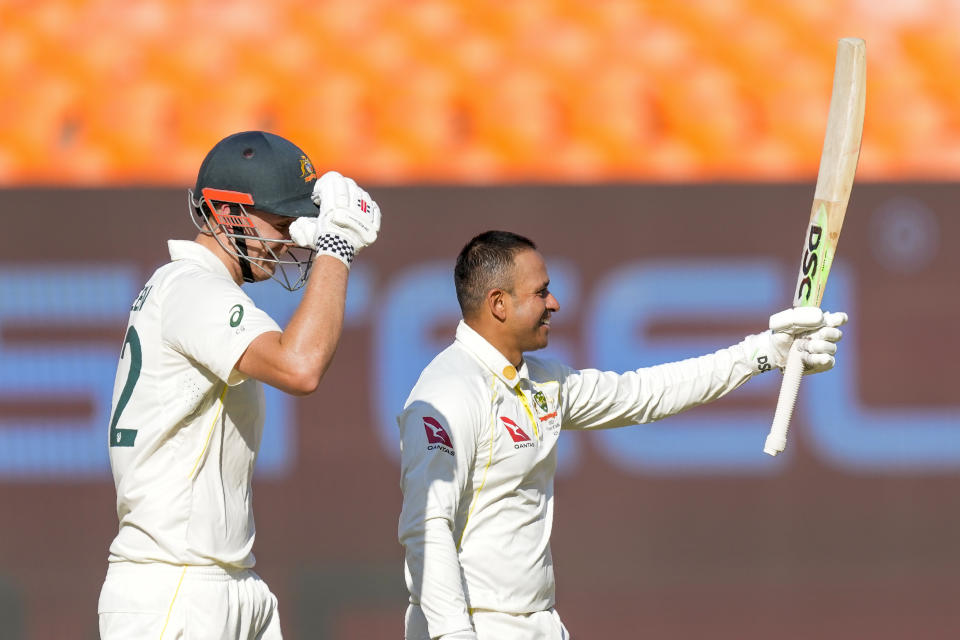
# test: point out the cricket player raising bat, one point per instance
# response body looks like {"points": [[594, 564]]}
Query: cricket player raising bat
{"points": [[188, 406], [479, 439]]}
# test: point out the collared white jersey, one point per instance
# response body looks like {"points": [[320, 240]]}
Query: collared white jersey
{"points": [[479, 450], [186, 426]]}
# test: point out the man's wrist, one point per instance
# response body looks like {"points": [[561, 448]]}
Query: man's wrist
{"points": [[331, 244], [761, 353]]}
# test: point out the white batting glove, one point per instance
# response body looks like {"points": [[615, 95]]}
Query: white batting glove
{"points": [[349, 219], [816, 334]]}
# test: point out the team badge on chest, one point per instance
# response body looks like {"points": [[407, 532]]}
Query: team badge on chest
{"points": [[541, 401], [545, 415]]}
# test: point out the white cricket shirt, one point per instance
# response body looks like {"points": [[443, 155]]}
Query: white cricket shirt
{"points": [[185, 426], [479, 453]]}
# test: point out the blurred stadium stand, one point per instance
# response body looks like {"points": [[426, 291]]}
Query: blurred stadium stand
{"points": [[102, 93], [465, 115]]}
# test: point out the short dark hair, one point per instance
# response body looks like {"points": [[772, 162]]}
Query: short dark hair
{"points": [[486, 263]]}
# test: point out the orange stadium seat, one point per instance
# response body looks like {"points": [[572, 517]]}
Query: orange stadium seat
{"points": [[100, 93]]}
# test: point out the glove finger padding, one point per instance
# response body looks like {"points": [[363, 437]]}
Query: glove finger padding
{"points": [[834, 318], [814, 330], [330, 192], [817, 355], [321, 236], [829, 334], [815, 345], [304, 232], [346, 210], [797, 320], [349, 219], [361, 216]]}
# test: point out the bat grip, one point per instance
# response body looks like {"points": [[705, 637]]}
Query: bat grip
{"points": [[777, 440]]}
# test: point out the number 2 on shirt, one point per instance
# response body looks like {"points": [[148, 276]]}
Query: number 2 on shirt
{"points": [[126, 437]]}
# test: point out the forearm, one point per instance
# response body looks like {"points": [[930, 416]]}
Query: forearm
{"points": [[314, 330], [604, 399], [435, 582], [598, 399], [682, 385], [296, 359]]}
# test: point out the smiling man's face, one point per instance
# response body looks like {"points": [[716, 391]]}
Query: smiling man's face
{"points": [[530, 303]]}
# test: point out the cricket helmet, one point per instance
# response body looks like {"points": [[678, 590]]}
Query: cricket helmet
{"points": [[263, 172], [272, 171]]}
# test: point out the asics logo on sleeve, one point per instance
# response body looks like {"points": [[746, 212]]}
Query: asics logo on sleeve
{"points": [[236, 314], [436, 434], [515, 432]]}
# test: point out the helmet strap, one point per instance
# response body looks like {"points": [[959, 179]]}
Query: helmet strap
{"points": [[245, 269]]}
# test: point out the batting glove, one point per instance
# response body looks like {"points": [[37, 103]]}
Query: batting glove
{"points": [[349, 219], [816, 334]]}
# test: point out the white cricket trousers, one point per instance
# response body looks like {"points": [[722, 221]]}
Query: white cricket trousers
{"points": [[494, 625], [158, 601]]}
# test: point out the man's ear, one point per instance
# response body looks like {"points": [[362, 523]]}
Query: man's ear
{"points": [[497, 304], [223, 209]]}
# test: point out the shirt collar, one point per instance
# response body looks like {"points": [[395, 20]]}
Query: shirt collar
{"points": [[487, 354], [196, 252]]}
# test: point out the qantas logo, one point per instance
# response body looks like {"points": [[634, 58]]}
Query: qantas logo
{"points": [[437, 436], [515, 432]]}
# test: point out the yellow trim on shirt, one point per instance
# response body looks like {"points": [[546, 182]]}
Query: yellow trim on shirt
{"points": [[476, 494], [210, 433], [526, 405], [170, 610]]}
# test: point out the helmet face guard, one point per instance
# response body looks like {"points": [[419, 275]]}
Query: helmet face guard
{"points": [[234, 230]]}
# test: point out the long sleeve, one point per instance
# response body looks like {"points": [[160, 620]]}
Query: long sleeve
{"points": [[432, 564], [602, 399], [438, 447]]}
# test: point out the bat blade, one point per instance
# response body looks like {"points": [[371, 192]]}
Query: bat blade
{"points": [[838, 165]]}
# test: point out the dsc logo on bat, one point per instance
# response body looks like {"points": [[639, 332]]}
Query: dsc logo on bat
{"points": [[808, 267]]}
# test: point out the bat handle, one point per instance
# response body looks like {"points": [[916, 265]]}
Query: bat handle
{"points": [[777, 440]]}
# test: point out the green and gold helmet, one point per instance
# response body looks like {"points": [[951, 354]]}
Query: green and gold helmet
{"points": [[255, 171]]}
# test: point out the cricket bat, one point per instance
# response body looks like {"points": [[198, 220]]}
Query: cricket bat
{"points": [[838, 163]]}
